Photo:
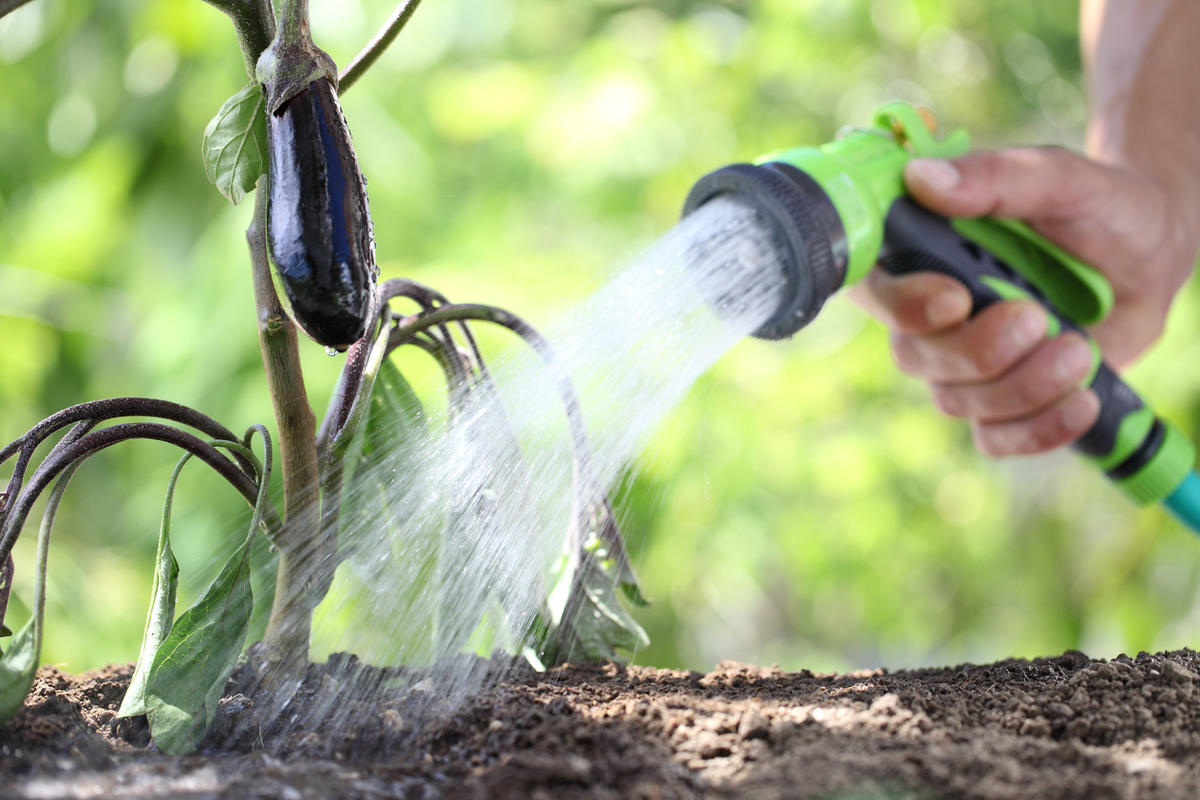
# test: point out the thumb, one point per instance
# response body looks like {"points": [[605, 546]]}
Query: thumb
{"points": [[1032, 183]]}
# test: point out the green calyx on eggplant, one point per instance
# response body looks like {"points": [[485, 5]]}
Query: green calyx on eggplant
{"points": [[319, 226]]}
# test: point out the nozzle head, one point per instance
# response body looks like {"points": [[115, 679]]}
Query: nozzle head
{"points": [[805, 225]]}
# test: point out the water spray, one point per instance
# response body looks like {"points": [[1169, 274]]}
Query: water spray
{"points": [[835, 210]]}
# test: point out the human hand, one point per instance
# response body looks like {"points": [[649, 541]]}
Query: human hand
{"points": [[1020, 390]]}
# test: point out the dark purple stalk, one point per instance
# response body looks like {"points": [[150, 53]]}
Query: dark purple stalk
{"points": [[96, 441], [589, 484], [98, 411]]}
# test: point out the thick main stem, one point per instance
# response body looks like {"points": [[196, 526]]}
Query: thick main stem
{"points": [[254, 23], [303, 554]]}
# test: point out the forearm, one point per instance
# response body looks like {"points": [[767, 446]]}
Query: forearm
{"points": [[1141, 62]]}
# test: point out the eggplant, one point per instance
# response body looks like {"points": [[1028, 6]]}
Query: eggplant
{"points": [[319, 226]]}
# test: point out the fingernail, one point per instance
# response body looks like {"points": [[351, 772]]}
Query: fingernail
{"points": [[1073, 362], [1080, 411], [947, 308], [1028, 328], [935, 173]]}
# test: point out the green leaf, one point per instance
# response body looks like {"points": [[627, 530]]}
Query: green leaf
{"points": [[194, 662], [162, 606], [18, 666], [235, 144], [393, 423], [395, 420]]}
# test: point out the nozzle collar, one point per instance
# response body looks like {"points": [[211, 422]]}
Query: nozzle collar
{"points": [[806, 227]]}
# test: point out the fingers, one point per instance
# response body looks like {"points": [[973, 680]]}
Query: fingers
{"points": [[1020, 390], [923, 302], [979, 350], [1060, 424], [1048, 374], [1033, 183]]}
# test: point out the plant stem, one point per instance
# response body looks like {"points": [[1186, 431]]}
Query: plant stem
{"points": [[254, 23], [374, 49], [303, 553]]}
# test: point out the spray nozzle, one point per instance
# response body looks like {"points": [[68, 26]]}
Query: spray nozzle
{"points": [[804, 226]]}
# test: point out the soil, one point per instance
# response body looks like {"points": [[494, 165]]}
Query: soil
{"points": [[1065, 727]]}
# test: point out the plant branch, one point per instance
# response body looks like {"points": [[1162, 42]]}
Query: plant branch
{"points": [[589, 492], [374, 49], [99, 411], [96, 441], [254, 23]]}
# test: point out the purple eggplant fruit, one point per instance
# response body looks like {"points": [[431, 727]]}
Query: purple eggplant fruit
{"points": [[319, 226]]}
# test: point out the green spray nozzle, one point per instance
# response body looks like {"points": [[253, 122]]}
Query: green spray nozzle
{"points": [[839, 208]]}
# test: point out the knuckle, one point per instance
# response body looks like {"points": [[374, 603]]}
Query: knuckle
{"points": [[990, 359], [903, 354], [1020, 397], [987, 442], [950, 401]]}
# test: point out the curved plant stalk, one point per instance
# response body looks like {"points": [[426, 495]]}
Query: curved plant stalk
{"points": [[6, 580], [63, 457], [19, 665], [506, 319], [374, 49], [100, 411], [598, 561]]}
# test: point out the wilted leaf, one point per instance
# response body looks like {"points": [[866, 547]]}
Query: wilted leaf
{"points": [[193, 663], [235, 144], [18, 666], [601, 628], [594, 624], [162, 606]]}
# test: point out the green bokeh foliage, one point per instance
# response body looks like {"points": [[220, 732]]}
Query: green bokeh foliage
{"points": [[806, 505]]}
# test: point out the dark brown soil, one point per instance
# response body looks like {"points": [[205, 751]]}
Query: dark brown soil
{"points": [[1066, 727]]}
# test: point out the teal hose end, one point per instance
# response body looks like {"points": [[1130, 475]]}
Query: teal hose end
{"points": [[1184, 502]]}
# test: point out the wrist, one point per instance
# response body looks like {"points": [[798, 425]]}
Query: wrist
{"points": [[1164, 154]]}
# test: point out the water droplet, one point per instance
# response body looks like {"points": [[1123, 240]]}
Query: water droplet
{"points": [[331, 351]]}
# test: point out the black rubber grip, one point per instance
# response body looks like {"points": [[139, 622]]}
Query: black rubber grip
{"points": [[917, 240]]}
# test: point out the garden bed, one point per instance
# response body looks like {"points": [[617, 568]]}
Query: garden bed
{"points": [[1056, 727]]}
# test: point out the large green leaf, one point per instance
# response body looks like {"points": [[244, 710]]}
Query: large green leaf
{"points": [[162, 606], [193, 663], [18, 666], [235, 144], [395, 421], [379, 535]]}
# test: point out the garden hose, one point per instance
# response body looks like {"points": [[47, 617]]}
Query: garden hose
{"points": [[837, 209]]}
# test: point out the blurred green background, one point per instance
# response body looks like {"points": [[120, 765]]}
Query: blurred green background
{"points": [[805, 506]]}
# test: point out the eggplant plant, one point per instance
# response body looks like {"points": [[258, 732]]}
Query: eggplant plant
{"points": [[283, 138]]}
